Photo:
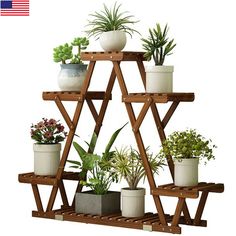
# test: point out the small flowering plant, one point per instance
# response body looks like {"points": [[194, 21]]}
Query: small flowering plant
{"points": [[48, 131]]}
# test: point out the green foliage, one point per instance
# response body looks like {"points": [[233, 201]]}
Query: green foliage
{"points": [[98, 167], [65, 52], [187, 144], [127, 164], [109, 20], [157, 45]]}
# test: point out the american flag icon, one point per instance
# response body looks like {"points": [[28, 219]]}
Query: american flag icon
{"points": [[14, 8]]}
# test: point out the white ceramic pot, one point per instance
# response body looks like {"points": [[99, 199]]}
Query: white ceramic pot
{"points": [[186, 172], [113, 40], [159, 79], [71, 77], [46, 158], [132, 202]]}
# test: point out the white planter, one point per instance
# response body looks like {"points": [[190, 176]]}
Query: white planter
{"points": [[159, 79], [71, 77], [113, 40], [46, 158], [186, 172], [132, 202]]}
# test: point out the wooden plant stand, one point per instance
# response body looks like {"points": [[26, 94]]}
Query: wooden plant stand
{"points": [[151, 221]]}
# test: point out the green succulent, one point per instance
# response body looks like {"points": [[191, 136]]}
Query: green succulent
{"points": [[65, 52], [62, 53], [158, 45], [109, 20], [187, 144]]}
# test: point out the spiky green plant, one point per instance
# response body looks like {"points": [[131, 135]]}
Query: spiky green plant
{"points": [[127, 164], [65, 52], [158, 45], [109, 20]]}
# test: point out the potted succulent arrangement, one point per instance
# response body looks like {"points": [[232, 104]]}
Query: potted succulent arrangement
{"points": [[159, 78], [111, 26], [48, 134], [73, 70], [187, 147], [98, 176], [127, 164]]}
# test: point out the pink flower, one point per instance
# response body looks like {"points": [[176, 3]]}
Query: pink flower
{"points": [[52, 122], [48, 134], [60, 128], [40, 125]]}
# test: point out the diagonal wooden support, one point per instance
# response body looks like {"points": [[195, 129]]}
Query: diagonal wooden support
{"points": [[92, 109], [201, 206], [63, 194], [64, 113], [37, 197], [142, 114], [178, 210]]}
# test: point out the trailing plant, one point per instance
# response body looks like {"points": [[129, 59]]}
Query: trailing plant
{"points": [[64, 52], [48, 131], [158, 45], [127, 164], [110, 20], [100, 176], [187, 144]]}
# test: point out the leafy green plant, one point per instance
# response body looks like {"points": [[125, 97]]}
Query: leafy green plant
{"points": [[158, 45], [65, 52], [100, 175], [110, 20], [127, 164], [187, 144]]}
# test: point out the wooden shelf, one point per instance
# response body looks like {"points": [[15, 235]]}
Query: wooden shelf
{"points": [[112, 56], [187, 192], [158, 97], [149, 221], [31, 178], [73, 96]]}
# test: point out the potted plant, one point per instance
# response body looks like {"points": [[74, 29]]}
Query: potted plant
{"points": [[159, 78], [187, 147], [73, 70], [48, 134], [127, 164], [111, 26], [97, 175]]}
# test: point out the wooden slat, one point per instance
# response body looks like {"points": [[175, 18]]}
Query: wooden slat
{"points": [[72, 96], [175, 193], [112, 56]]}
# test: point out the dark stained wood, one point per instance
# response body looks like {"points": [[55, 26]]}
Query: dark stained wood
{"points": [[178, 211], [37, 197]]}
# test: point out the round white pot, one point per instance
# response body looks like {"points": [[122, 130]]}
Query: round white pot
{"points": [[186, 172], [113, 40], [132, 202], [71, 77], [46, 158], [159, 79]]}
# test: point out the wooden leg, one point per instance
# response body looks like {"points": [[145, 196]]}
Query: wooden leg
{"points": [[160, 210], [179, 208], [201, 205], [63, 194], [187, 216], [52, 198], [37, 197]]}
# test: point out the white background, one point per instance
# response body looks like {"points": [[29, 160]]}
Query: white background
{"points": [[204, 61]]}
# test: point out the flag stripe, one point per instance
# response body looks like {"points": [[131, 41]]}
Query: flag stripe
{"points": [[19, 8]]}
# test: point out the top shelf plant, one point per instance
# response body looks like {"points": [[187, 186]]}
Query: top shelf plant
{"points": [[110, 25]]}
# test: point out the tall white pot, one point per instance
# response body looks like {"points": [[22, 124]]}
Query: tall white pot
{"points": [[159, 79], [186, 172], [132, 202], [46, 158], [113, 40]]}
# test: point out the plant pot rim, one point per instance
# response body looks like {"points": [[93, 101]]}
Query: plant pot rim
{"points": [[92, 192], [133, 192], [163, 68], [74, 66], [185, 161], [46, 147]]}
